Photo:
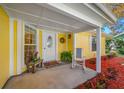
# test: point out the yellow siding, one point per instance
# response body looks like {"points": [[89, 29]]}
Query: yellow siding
{"points": [[4, 47], [61, 46], [40, 43], [70, 43], [15, 47], [83, 41]]}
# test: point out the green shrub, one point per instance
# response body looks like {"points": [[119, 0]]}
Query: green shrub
{"points": [[107, 45], [66, 56], [121, 51], [114, 53]]}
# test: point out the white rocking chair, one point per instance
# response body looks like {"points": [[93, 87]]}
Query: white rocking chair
{"points": [[80, 62]]}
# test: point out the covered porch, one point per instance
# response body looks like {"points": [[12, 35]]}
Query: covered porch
{"points": [[50, 20], [60, 77], [53, 19]]}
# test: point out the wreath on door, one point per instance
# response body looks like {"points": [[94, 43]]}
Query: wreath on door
{"points": [[62, 40]]}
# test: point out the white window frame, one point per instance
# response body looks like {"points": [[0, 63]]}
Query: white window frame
{"points": [[37, 37], [91, 39]]}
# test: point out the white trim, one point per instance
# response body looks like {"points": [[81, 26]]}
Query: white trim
{"points": [[106, 10], [91, 36], [64, 9], [100, 14], [30, 24], [37, 40], [42, 46], [56, 46], [98, 52], [74, 50], [91, 42], [67, 41], [74, 45], [119, 34], [23, 42], [11, 65], [39, 17], [19, 46]]}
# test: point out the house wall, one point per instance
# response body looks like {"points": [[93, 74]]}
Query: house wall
{"points": [[15, 28], [61, 46], [4, 47], [15, 46], [83, 40], [40, 43], [70, 42]]}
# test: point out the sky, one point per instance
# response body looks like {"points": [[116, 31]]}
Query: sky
{"points": [[118, 27], [106, 29]]}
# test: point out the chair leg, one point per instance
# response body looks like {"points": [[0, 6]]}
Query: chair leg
{"points": [[83, 69], [34, 69]]}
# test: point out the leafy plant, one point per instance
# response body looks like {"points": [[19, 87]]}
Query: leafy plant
{"points": [[121, 51], [35, 56], [108, 41], [101, 82], [111, 73], [66, 56], [88, 85]]}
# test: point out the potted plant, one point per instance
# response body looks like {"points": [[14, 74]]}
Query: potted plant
{"points": [[35, 57], [66, 56]]}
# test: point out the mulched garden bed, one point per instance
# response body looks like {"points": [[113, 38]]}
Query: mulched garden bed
{"points": [[53, 64], [111, 77]]}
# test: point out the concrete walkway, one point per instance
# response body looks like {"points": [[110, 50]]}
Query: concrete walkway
{"points": [[60, 77]]}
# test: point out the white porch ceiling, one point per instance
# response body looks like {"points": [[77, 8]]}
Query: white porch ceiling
{"points": [[47, 18]]}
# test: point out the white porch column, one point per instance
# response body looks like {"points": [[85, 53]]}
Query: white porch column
{"points": [[74, 50], [19, 46], [11, 66], [98, 53]]}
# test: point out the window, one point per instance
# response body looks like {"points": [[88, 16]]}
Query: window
{"points": [[93, 45], [30, 42], [78, 52]]}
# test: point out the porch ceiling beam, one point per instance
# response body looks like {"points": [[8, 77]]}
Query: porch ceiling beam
{"points": [[50, 27], [94, 10], [40, 17], [87, 28], [107, 11], [64, 9]]}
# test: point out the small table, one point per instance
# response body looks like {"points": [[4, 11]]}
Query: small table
{"points": [[32, 65]]}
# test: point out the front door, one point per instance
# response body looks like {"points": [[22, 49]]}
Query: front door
{"points": [[49, 46]]}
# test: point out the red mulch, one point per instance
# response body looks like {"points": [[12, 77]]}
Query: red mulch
{"points": [[115, 62]]}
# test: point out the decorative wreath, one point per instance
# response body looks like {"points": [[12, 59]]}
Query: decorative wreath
{"points": [[62, 40]]}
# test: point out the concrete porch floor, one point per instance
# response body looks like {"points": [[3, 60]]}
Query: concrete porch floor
{"points": [[60, 77]]}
